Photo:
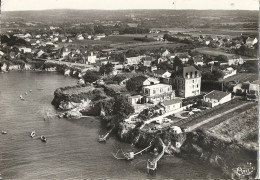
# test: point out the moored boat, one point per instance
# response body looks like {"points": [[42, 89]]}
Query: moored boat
{"points": [[43, 138], [32, 134], [4, 132]]}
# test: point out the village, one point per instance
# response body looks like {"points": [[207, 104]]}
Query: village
{"points": [[173, 82]]}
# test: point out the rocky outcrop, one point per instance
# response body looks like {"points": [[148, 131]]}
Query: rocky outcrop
{"points": [[67, 72], [4, 68], [218, 153], [14, 67]]}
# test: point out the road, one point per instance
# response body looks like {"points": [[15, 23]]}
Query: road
{"points": [[191, 128]]}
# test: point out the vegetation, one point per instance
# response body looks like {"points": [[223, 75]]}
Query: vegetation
{"points": [[91, 76], [135, 84], [106, 69]]}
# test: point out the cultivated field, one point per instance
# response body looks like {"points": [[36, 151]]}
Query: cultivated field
{"points": [[218, 51], [242, 127], [242, 77]]}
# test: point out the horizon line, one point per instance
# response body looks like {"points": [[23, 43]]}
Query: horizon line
{"points": [[132, 9]]}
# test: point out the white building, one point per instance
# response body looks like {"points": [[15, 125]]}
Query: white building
{"points": [[92, 58], [187, 81], [158, 92], [229, 72], [215, 98]]}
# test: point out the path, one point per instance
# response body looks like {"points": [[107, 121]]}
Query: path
{"points": [[191, 128]]}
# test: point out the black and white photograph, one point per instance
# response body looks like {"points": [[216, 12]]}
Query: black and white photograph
{"points": [[129, 89]]}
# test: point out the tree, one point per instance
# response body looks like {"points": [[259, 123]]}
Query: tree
{"points": [[91, 76], [221, 58], [106, 69], [122, 106], [135, 84], [217, 73], [177, 62], [119, 78]]}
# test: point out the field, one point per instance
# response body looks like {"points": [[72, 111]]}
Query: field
{"points": [[242, 127], [242, 77], [217, 52], [211, 31]]}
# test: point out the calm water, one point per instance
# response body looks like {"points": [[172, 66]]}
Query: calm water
{"points": [[71, 150]]}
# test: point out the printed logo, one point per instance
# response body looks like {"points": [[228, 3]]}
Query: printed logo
{"points": [[243, 172]]}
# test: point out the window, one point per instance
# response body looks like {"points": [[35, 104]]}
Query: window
{"points": [[161, 90], [187, 74], [197, 85], [154, 92], [196, 74], [190, 74], [193, 81]]}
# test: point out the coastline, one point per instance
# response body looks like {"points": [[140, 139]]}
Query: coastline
{"points": [[195, 145]]}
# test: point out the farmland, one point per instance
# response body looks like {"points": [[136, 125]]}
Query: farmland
{"points": [[242, 77], [243, 126], [217, 52]]}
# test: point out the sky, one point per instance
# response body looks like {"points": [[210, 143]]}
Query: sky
{"points": [[16, 5]]}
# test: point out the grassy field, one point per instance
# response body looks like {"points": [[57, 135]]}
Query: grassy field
{"points": [[211, 31], [242, 127], [242, 77], [217, 52]]}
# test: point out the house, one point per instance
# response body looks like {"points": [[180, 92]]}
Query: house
{"points": [[187, 81], [251, 41], [215, 98], [162, 59], [166, 53], [171, 105], [229, 72], [25, 50], [147, 63], [115, 33], [254, 87], [92, 58], [235, 60], [198, 61], [133, 60], [152, 81], [247, 87], [153, 68], [158, 92], [162, 73], [184, 58], [102, 61], [137, 99], [99, 36], [176, 130], [79, 37]]}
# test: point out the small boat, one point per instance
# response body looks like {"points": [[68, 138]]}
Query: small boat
{"points": [[4, 132], [21, 96], [26, 93], [32, 134], [43, 138], [30, 90]]}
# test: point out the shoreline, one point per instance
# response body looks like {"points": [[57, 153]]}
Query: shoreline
{"points": [[191, 146]]}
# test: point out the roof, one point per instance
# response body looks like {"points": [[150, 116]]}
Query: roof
{"points": [[216, 95], [184, 70], [160, 71], [136, 96], [172, 101], [198, 59], [158, 106], [255, 82], [157, 86]]}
